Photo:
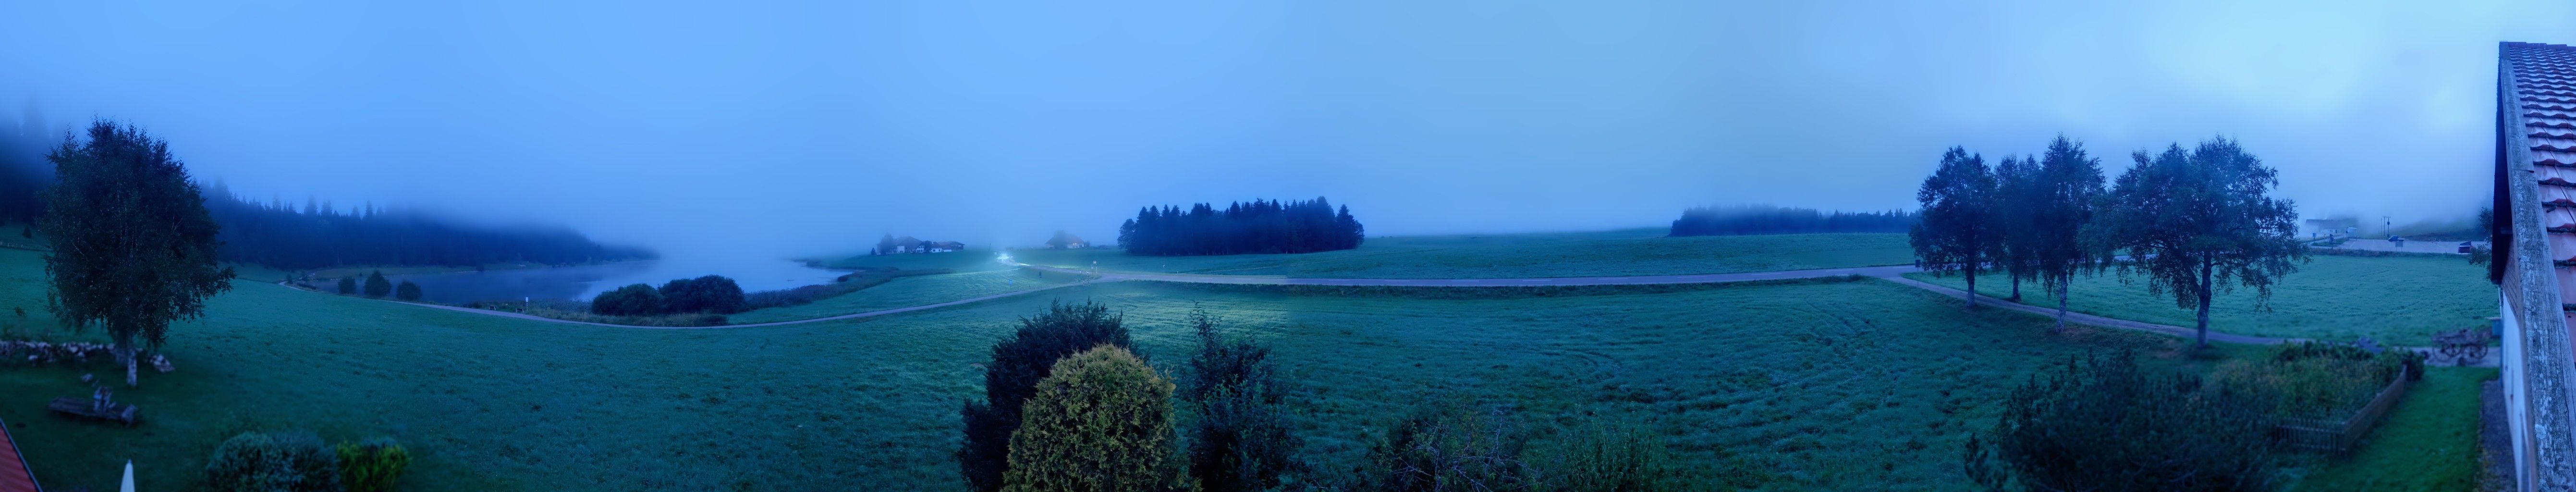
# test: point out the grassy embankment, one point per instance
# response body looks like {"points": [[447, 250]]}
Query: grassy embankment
{"points": [[2397, 300], [1582, 254], [899, 292]]}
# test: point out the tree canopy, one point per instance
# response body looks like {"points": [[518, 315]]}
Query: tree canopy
{"points": [[318, 235], [2201, 221], [1722, 221], [1259, 227], [133, 245], [2062, 211], [1957, 232]]}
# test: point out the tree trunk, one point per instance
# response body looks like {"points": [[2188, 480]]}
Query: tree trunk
{"points": [[2061, 307], [2204, 305], [2016, 289], [124, 350], [1972, 285]]}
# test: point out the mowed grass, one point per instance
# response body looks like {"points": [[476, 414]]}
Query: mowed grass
{"points": [[972, 260], [1841, 385], [1584, 254], [913, 291], [2395, 300], [2428, 443]]}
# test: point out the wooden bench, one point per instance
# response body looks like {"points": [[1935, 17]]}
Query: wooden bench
{"points": [[87, 409]]}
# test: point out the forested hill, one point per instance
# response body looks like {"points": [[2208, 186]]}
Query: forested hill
{"points": [[281, 235], [1763, 219]]}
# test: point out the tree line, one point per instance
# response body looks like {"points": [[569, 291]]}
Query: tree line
{"points": [[1764, 219], [24, 173], [2190, 222], [318, 235], [1259, 227]]}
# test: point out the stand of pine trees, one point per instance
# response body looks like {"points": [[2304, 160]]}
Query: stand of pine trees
{"points": [[1728, 221], [1260, 227], [316, 235]]}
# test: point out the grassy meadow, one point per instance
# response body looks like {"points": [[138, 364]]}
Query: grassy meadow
{"points": [[911, 291], [2428, 443], [1836, 384], [2393, 299], [1582, 254], [972, 260], [1823, 384]]}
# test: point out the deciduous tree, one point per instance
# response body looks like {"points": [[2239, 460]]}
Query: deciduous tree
{"points": [[1957, 233], [377, 286], [2202, 221], [2070, 189], [133, 246], [2018, 194], [407, 291]]}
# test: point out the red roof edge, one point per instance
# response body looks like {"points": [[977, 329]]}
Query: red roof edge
{"points": [[15, 476]]}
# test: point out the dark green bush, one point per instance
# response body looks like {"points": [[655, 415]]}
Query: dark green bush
{"points": [[708, 294], [407, 291], [1012, 377], [377, 286], [1447, 446], [273, 462], [372, 466], [2100, 423], [1240, 436], [631, 300], [348, 286]]}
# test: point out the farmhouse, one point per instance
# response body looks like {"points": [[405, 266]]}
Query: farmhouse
{"points": [[2535, 257], [943, 246]]}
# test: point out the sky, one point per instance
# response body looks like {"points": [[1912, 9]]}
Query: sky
{"points": [[794, 128]]}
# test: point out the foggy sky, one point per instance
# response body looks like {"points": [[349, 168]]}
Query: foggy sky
{"points": [[803, 128]]}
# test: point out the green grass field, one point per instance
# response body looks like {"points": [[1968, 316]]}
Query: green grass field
{"points": [[1854, 384], [1583, 254], [2397, 300], [912, 291], [972, 260], [2428, 443]]}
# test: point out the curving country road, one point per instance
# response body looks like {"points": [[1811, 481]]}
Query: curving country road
{"points": [[1112, 276]]}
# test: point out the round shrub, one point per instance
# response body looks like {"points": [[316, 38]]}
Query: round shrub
{"points": [[268, 462], [407, 291], [631, 300], [1101, 422]]}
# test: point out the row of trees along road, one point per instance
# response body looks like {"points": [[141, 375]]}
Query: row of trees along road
{"points": [[2193, 222]]}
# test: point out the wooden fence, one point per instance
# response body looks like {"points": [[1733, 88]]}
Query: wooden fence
{"points": [[2338, 436]]}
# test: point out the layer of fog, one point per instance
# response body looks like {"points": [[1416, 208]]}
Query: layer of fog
{"points": [[790, 130]]}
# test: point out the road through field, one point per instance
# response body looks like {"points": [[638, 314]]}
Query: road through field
{"points": [[1111, 276], [1892, 273]]}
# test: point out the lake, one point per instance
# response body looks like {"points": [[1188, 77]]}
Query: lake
{"points": [[583, 282]]}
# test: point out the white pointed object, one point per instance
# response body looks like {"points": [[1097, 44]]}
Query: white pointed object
{"points": [[128, 484]]}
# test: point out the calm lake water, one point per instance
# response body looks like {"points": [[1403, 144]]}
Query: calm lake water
{"points": [[582, 282]]}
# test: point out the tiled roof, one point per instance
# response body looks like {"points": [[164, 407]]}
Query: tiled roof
{"points": [[14, 476], [2544, 92]]}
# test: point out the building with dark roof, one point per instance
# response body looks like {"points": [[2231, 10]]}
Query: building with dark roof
{"points": [[2535, 267]]}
